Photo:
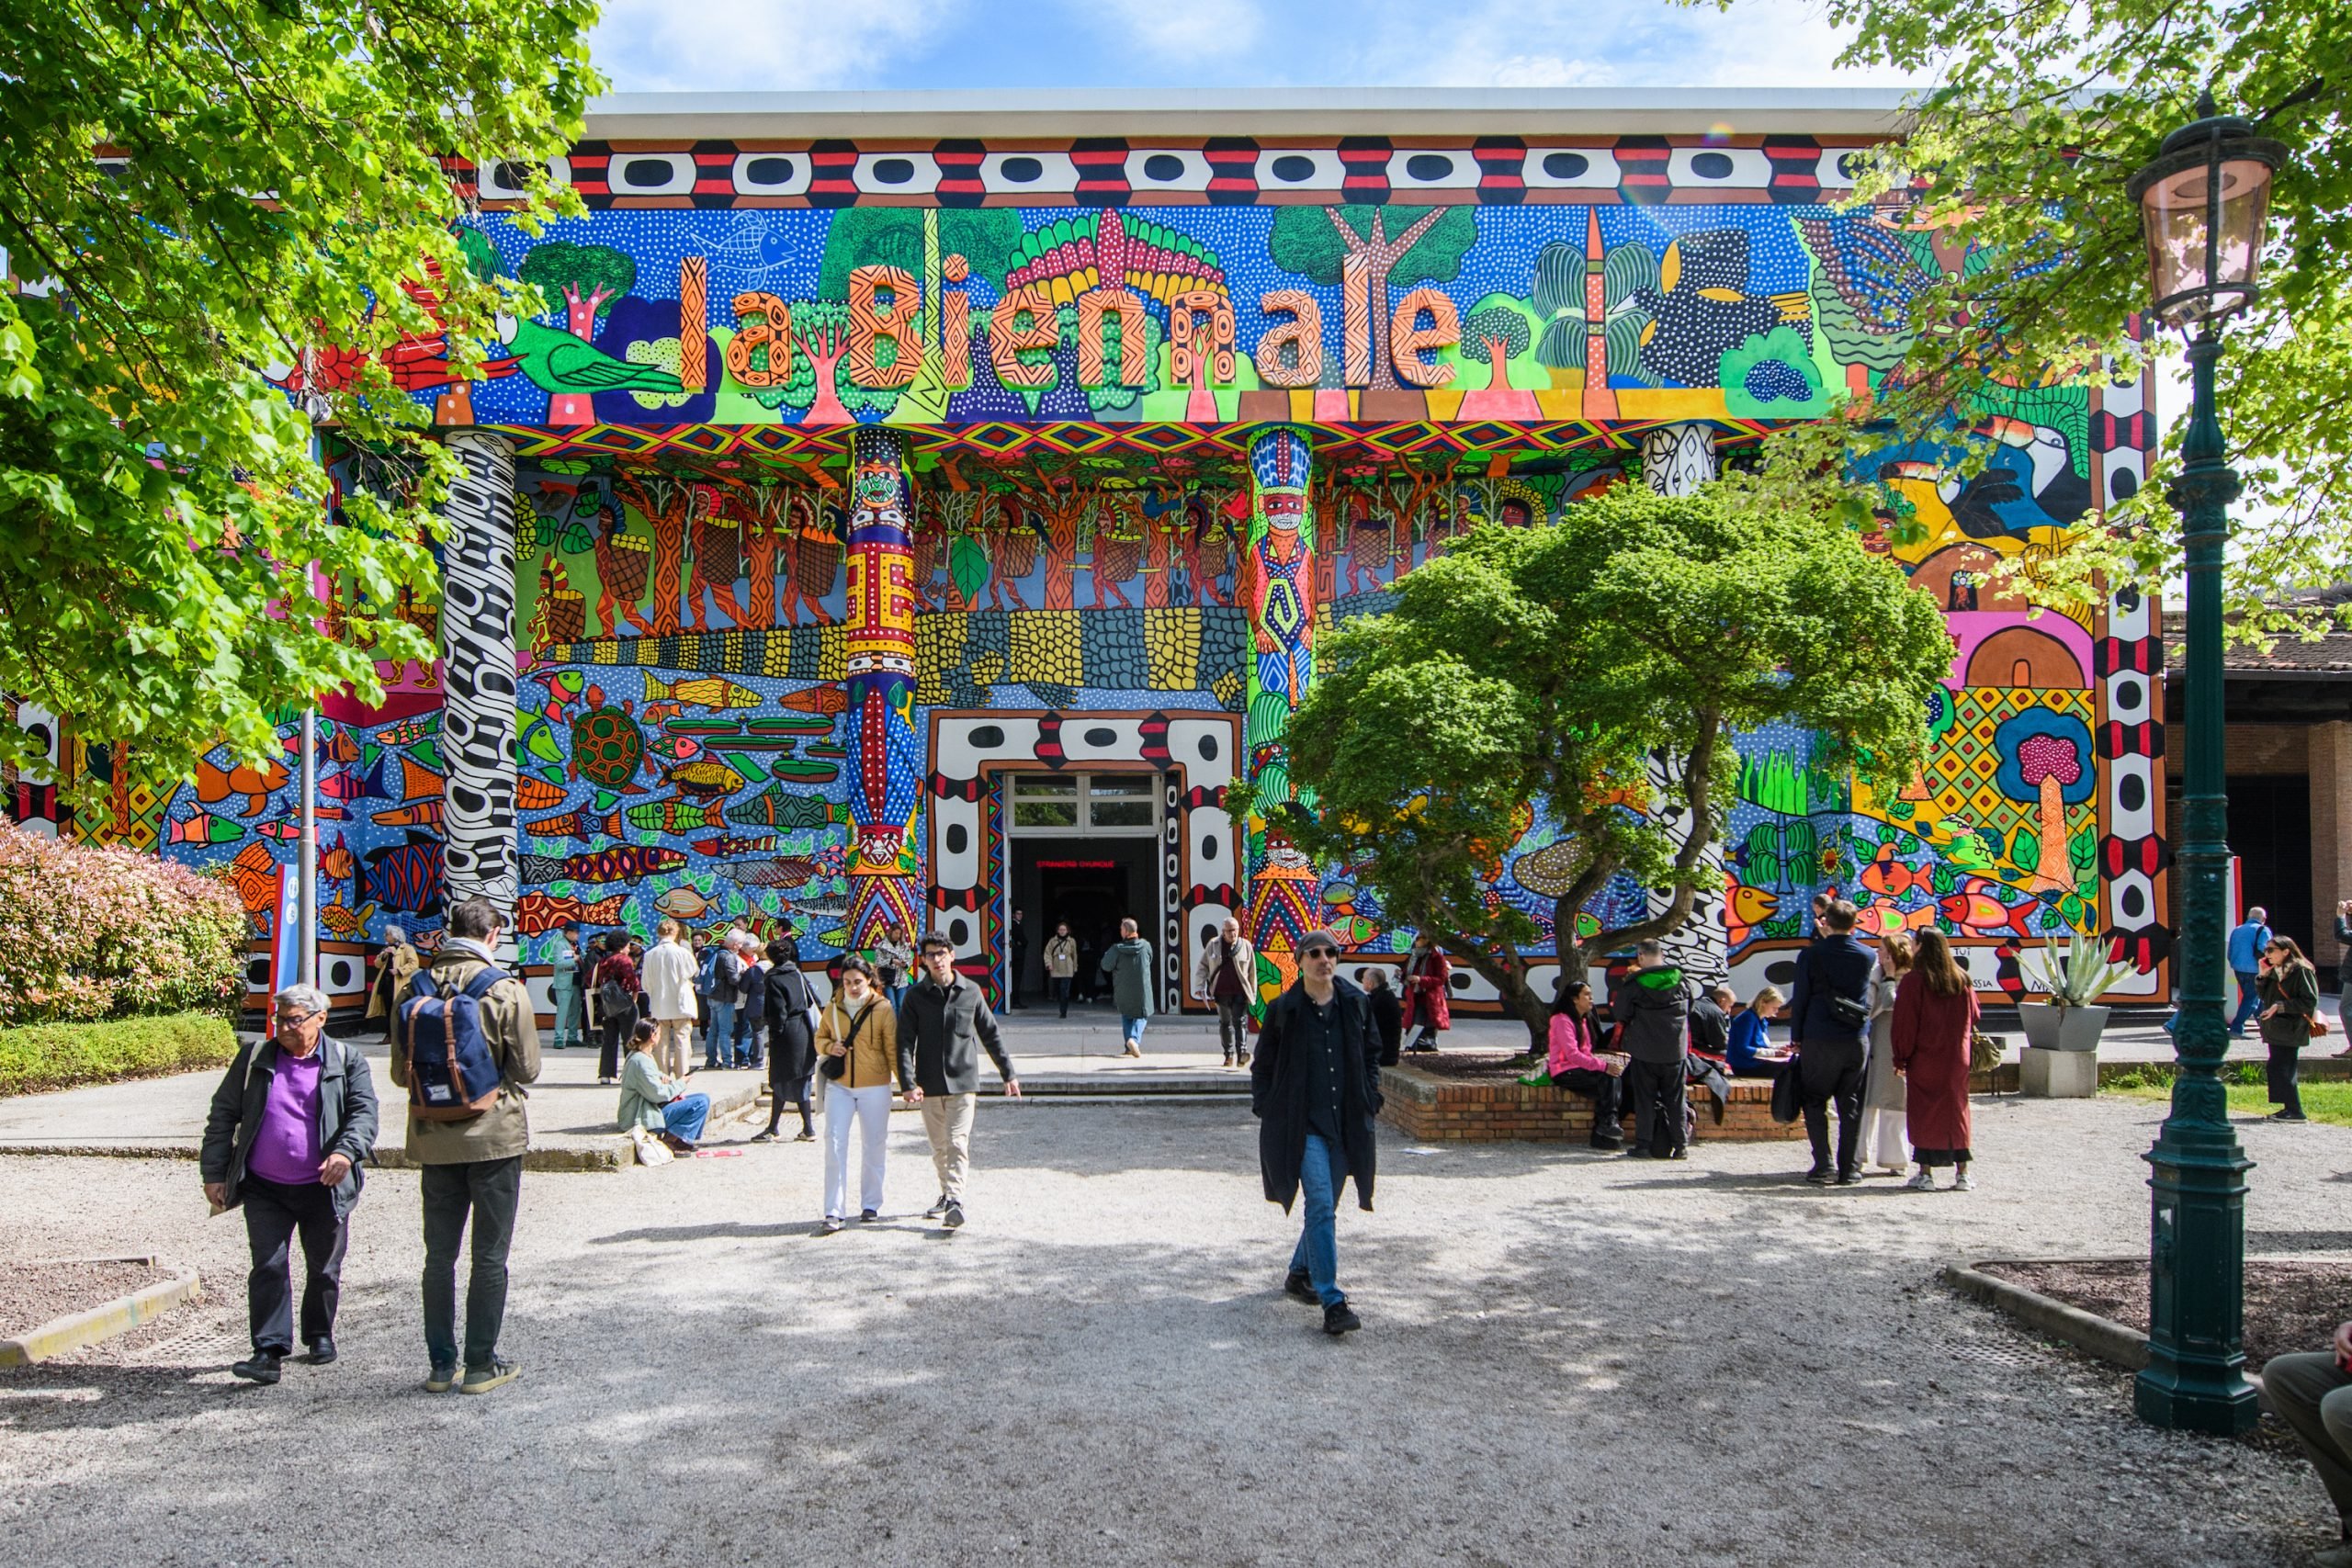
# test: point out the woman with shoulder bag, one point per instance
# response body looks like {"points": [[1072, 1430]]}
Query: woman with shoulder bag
{"points": [[617, 996], [857, 1052], [792, 1042], [2288, 991]]}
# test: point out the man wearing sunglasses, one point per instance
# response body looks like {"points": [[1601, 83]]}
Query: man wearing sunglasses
{"points": [[1315, 1088]]}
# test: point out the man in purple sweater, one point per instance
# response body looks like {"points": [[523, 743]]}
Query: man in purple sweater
{"points": [[291, 1122]]}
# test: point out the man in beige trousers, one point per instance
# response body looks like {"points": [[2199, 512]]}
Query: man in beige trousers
{"points": [[942, 1026]]}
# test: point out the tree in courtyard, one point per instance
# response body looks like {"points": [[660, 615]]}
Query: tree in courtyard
{"points": [[1403, 245], [586, 279], [1539, 671], [2038, 263], [162, 509]]}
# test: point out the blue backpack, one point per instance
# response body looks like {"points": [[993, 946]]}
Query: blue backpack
{"points": [[452, 1071]]}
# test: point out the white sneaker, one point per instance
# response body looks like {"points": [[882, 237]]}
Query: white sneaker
{"points": [[1963, 1182], [1924, 1182]]}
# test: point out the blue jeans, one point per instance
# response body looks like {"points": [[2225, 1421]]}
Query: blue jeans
{"points": [[2248, 999], [718, 1042], [1319, 1243], [684, 1116], [1132, 1029]]}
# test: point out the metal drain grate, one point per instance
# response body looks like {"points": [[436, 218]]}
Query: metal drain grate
{"points": [[1994, 1353], [204, 1345]]}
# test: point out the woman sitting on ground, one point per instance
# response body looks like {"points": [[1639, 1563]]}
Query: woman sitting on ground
{"points": [[2288, 991], [1751, 1051], [1575, 1064], [656, 1102]]}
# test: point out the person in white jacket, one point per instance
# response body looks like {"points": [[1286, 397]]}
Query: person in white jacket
{"points": [[1226, 973], [669, 981]]}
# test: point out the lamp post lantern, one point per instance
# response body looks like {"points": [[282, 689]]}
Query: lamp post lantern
{"points": [[2204, 203]]}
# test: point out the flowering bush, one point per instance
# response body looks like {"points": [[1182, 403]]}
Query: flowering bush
{"points": [[90, 933]]}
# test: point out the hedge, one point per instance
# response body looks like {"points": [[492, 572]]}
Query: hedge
{"points": [[58, 1056], [99, 933]]}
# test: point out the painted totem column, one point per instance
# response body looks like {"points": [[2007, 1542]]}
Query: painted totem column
{"points": [[879, 637], [1676, 460], [1278, 582], [478, 674]]}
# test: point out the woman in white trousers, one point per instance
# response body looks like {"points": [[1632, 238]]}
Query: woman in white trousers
{"points": [[857, 1056], [1884, 1139]]}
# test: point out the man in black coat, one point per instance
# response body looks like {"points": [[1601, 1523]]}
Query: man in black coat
{"points": [[1652, 1008], [289, 1124], [1828, 1012], [1020, 962], [943, 1028], [1315, 1088], [792, 1039]]}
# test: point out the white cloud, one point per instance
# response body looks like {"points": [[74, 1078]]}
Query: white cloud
{"points": [[1549, 70], [756, 45], [1176, 30]]}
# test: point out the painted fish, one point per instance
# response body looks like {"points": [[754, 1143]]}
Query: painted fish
{"points": [[418, 783], [203, 828], [682, 903], [426, 753], [215, 784], [537, 741], [702, 692], [253, 874], [410, 731], [1976, 911], [1747, 907], [623, 862], [835, 906], [668, 747], [1882, 918], [816, 699], [285, 832], [346, 924], [705, 778], [748, 843], [786, 872], [407, 876], [535, 914], [776, 806], [337, 746], [1887, 875], [353, 786], [672, 815], [566, 685], [537, 795], [1351, 930], [334, 859], [423, 814], [576, 825]]}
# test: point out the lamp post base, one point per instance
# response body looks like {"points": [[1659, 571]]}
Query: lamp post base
{"points": [[2195, 1379]]}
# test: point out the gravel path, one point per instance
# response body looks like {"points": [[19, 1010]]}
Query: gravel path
{"points": [[33, 1291], [1566, 1359]]}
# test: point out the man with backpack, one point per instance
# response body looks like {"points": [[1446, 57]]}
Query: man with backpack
{"points": [[1829, 1014], [1652, 1010], [466, 1041]]}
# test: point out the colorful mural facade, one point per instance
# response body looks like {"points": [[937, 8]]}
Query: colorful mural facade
{"points": [[848, 479]]}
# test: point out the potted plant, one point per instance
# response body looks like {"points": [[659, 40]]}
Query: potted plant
{"points": [[2074, 973]]}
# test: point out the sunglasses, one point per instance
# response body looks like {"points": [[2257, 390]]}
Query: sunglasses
{"points": [[1319, 952]]}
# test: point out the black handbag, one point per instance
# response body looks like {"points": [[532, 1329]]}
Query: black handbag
{"points": [[834, 1067], [1788, 1103]]}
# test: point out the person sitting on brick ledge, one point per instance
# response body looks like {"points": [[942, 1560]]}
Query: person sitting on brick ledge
{"points": [[1574, 1065]]}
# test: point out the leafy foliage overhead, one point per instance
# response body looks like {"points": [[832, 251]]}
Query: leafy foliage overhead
{"points": [[203, 205]]}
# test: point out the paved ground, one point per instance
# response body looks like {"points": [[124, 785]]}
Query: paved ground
{"points": [[1566, 1359]]}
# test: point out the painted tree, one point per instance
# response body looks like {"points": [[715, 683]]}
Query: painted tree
{"points": [[1544, 669], [1384, 246], [169, 601], [2046, 764], [819, 381], [1493, 337], [587, 278]]}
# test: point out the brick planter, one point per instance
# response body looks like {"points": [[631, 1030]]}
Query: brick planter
{"points": [[1495, 1108]]}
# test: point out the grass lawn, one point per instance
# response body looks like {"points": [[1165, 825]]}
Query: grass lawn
{"points": [[2330, 1101]]}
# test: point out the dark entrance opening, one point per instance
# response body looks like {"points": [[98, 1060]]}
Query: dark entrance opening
{"points": [[2270, 832], [1093, 883]]}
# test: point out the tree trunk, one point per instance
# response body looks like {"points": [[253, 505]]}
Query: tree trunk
{"points": [[1497, 381], [2052, 870], [825, 407]]}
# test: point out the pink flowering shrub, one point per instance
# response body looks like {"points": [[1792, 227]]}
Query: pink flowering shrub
{"points": [[90, 933]]}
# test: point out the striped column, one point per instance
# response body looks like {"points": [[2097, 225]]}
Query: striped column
{"points": [[478, 674], [1279, 576]]}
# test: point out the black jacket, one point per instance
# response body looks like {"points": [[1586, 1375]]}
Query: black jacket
{"points": [[1836, 965], [346, 1115], [792, 1039], [940, 1034], [1710, 1030], [751, 990], [1278, 1089], [1652, 1011], [1388, 1021]]}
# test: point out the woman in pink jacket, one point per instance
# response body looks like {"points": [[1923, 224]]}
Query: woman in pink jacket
{"points": [[1575, 1064]]}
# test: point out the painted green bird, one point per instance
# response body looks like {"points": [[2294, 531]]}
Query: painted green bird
{"points": [[556, 362]]}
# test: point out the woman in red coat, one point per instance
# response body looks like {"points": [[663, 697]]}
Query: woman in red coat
{"points": [[1935, 1015], [1428, 993]]}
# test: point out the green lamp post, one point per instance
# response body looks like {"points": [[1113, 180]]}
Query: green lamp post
{"points": [[2204, 202]]}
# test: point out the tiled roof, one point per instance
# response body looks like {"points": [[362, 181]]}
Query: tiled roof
{"points": [[2329, 657]]}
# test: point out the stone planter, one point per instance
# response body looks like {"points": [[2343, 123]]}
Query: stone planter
{"points": [[2049, 1027], [2057, 1075]]}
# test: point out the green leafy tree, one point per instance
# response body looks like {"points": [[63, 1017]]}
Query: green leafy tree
{"points": [[987, 238], [1493, 337], [2038, 116], [1537, 670], [1404, 245], [162, 503]]}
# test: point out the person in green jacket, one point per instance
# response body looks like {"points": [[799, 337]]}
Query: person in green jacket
{"points": [[656, 1102], [1128, 966]]}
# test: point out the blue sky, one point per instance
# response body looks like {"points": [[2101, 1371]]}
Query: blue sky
{"points": [[781, 45]]}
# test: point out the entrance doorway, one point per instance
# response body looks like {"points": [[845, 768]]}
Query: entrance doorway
{"points": [[1082, 848]]}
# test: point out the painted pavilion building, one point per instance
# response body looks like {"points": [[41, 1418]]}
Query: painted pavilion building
{"points": [[923, 507]]}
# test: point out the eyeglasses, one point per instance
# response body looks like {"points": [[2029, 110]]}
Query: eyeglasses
{"points": [[1330, 952]]}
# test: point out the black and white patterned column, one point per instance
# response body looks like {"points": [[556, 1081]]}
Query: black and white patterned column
{"points": [[478, 673], [1676, 460]]}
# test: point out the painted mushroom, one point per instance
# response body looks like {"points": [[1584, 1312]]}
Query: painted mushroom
{"points": [[2046, 761]]}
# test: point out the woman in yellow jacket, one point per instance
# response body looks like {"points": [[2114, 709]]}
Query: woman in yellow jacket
{"points": [[858, 1045]]}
